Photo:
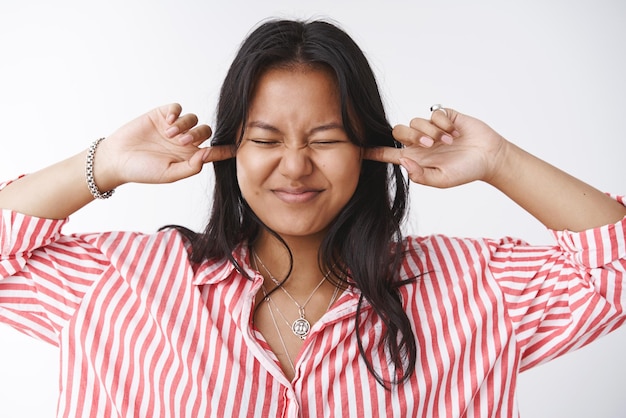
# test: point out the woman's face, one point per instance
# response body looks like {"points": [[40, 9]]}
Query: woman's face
{"points": [[296, 166]]}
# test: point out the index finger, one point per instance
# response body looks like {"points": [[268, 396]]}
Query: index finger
{"points": [[383, 154], [218, 153]]}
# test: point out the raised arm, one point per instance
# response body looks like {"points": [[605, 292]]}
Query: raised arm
{"points": [[161, 146], [452, 149]]}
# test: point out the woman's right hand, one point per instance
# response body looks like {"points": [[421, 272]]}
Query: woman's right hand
{"points": [[161, 146]]}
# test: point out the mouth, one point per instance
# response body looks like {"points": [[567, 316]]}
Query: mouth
{"points": [[301, 195]]}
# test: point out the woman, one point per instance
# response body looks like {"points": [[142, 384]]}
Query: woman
{"points": [[301, 297]]}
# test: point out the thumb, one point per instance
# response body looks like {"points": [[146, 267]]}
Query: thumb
{"points": [[416, 172], [183, 169]]}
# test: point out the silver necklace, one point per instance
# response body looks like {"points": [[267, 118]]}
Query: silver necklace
{"points": [[280, 335], [300, 326], [330, 303]]}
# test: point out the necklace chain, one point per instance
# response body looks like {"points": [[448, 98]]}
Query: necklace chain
{"points": [[301, 326], [269, 298], [280, 335]]}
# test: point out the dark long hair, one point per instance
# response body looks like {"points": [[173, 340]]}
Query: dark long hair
{"points": [[364, 242]]}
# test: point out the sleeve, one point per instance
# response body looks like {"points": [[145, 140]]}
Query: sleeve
{"points": [[562, 297], [43, 274]]}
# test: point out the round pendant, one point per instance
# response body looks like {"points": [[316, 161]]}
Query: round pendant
{"points": [[301, 327]]}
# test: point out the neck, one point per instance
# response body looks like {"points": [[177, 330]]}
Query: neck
{"points": [[305, 273]]}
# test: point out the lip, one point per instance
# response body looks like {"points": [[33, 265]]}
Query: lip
{"points": [[298, 195]]}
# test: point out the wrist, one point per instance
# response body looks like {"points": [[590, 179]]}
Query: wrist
{"points": [[99, 172], [504, 167]]}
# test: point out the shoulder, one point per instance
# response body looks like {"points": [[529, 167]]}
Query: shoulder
{"points": [[452, 259], [444, 245], [135, 244], [441, 271]]}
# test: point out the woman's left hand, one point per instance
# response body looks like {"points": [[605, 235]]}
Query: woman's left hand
{"points": [[448, 150], [452, 149]]}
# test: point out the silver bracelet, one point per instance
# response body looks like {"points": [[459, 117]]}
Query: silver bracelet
{"points": [[91, 183]]}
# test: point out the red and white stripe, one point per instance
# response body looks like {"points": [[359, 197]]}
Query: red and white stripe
{"points": [[142, 332]]}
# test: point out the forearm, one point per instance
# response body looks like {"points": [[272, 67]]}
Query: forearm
{"points": [[54, 192], [555, 198]]}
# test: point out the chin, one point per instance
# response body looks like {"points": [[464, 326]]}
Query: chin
{"points": [[298, 231]]}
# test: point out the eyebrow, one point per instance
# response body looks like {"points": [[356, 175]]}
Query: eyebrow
{"points": [[272, 128]]}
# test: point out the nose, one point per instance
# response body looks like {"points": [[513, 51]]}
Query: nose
{"points": [[296, 162]]}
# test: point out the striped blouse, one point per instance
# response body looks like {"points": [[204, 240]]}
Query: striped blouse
{"points": [[144, 333]]}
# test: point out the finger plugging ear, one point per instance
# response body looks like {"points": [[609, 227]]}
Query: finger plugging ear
{"points": [[218, 153]]}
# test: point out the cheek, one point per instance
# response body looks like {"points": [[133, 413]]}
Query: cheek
{"points": [[252, 170], [242, 175], [346, 171]]}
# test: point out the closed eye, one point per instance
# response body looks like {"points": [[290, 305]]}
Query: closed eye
{"points": [[264, 142], [328, 142]]}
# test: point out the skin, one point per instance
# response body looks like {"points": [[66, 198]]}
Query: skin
{"points": [[296, 166], [477, 152], [161, 146], [297, 169]]}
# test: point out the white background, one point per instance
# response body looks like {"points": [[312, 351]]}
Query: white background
{"points": [[550, 76]]}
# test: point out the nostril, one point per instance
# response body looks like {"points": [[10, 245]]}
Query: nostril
{"points": [[296, 163]]}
